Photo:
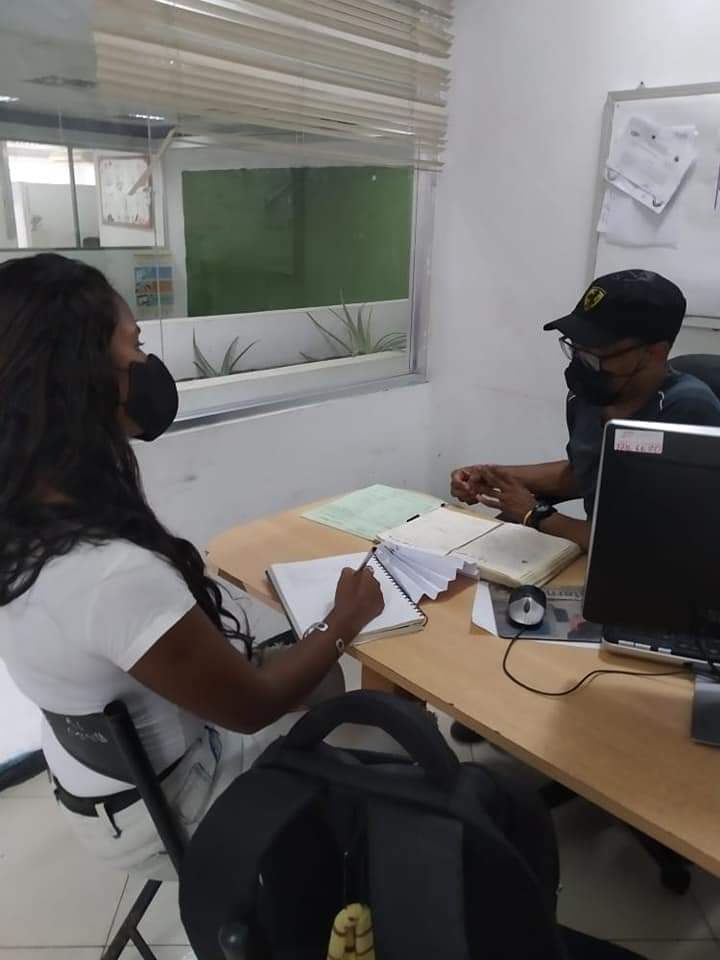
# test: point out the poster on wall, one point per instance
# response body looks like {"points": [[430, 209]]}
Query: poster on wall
{"points": [[122, 202], [154, 290]]}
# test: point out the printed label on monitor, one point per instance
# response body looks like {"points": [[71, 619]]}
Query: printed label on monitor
{"points": [[639, 441]]}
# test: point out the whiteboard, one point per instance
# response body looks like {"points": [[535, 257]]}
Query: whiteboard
{"points": [[694, 264]]}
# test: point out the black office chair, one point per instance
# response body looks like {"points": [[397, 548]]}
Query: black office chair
{"points": [[108, 743], [705, 367]]}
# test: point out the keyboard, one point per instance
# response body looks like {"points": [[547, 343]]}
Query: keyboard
{"points": [[678, 646]]}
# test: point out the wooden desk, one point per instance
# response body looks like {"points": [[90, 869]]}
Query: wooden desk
{"points": [[621, 742]]}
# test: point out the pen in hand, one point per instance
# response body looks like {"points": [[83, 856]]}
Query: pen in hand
{"points": [[366, 561]]}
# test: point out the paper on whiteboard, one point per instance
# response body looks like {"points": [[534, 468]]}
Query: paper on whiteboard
{"points": [[628, 223], [649, 162]]}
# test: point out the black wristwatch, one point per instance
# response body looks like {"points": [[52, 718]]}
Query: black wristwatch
{"points": [[533, 518]]}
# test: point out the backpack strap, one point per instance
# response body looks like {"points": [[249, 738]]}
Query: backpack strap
{"points": [[417, 889], [219, 872], [408, 724]]}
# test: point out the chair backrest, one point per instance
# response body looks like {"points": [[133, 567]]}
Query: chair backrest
{"points": [[108, 744], [704, 366]]}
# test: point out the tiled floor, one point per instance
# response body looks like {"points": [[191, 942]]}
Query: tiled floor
{"points": [[56, 903]]}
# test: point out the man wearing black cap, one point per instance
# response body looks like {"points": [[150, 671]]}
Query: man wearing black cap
{"points": [[617, 340]]}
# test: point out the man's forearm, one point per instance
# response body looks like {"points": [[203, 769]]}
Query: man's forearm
{"points": [[556, 480], [558, 525]]}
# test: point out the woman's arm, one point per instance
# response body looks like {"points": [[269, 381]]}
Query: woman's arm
{"points": [[194, 666]]}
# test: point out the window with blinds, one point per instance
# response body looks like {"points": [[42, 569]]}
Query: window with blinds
{"points": [[337, 79], [256, 179]]}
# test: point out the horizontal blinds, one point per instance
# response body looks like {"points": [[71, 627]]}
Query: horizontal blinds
{"points": [[407, 26], [320, 85]]}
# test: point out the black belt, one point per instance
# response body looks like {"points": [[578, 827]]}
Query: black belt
{"points": [[113, 802]]}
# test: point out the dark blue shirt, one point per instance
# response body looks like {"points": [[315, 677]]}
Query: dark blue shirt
{"points": [[681, 399]]}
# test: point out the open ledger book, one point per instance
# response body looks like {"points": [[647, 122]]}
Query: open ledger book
{"points": [[502, 553], [307, 593]]}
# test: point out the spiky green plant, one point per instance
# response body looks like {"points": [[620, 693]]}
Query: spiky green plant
{"points": [[229, 363], [355, 336]]}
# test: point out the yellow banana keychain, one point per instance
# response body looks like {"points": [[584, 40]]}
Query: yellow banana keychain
{"points": [[352, 934]]}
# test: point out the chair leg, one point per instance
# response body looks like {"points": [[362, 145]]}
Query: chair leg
{"points": [[142, 948], [128, 929]]}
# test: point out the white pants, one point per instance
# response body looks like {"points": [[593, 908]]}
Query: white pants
{"points": [[205, 771]]}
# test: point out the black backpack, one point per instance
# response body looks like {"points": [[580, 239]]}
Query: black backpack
{"points": [[454, 861]]}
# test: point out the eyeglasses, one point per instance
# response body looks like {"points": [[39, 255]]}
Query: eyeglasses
{"points": [[590, 359]]}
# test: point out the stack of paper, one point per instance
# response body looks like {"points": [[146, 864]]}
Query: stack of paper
{"points": [[418, 573]]}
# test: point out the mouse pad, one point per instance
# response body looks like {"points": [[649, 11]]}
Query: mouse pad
{"points": [[563, 623]]}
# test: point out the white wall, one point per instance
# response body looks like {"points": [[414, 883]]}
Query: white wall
{"points": [[207, 479], [516, 199], [52, 204]]}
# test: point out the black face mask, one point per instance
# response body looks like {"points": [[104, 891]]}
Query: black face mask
{"points": [[152, 400], [594, 386]]}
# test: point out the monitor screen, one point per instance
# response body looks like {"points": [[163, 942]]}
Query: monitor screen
{"points": [[655, 547]]}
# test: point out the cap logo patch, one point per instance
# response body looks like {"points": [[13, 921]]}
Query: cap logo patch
{"points": [[593, 297]]}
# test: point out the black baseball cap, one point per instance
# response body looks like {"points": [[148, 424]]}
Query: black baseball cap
{"points": [[631, 303]]}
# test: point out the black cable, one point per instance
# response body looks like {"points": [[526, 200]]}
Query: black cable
{"points": [[586, 679]]}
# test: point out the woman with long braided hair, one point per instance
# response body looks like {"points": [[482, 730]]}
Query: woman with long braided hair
{"points": [[98, 600]]}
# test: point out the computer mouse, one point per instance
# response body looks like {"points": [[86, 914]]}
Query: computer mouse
{"points": [[526, 608]]}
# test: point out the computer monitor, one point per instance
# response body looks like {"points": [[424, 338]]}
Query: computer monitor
{"points": [[654, 560], [654, 568]]}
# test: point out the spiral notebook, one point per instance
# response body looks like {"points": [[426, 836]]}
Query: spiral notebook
{"points": [[307, 593]]}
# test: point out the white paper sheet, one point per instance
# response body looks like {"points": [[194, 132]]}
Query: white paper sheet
{"points": [[649, 162], [445, 567], [627, 223], [483, 615], [418, 573], [412, 581]]}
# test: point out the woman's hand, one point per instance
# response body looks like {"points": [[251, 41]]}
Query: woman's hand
{"points": [[358, 600], [507, 495]]}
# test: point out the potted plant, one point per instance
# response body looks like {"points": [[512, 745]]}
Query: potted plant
{"points": [[229, 364], [355, 338]]}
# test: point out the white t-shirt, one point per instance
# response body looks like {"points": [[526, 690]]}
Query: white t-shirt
{"points": [[69, 641]]}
